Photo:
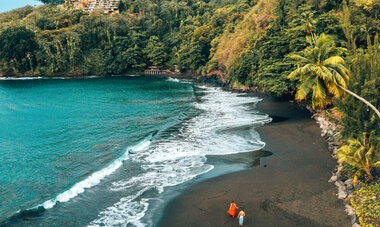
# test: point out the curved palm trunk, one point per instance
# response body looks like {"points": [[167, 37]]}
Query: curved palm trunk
{"points": [[361, 99]]}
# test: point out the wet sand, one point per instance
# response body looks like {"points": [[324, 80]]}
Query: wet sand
{"points": [[288, 188]]}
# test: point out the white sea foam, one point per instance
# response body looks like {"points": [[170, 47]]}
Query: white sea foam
{"points": [[45, 78], [132, 75], [170, 79], [124, 212], [20, 78], [173, 79], [182, 156], [92, 77], [96, 177]]}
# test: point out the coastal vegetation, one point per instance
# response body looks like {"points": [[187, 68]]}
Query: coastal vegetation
{"points": [[366, 202], [324, 53], [320, 70], [360, 154]]}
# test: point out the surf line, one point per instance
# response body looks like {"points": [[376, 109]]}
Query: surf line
{"points": [[96, 177]]}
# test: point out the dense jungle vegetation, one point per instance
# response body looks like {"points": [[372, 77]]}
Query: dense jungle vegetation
{"points": [[252, 43]]}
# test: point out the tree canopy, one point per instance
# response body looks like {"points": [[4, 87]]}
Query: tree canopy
{"points": [[320, 70], [52, 2]]}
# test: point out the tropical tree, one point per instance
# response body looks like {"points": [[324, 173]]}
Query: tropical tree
{"points": [[52, 2], [361, 154], [364, 81], [155, 52], [322, 72], [17, 47], [16, 42]]}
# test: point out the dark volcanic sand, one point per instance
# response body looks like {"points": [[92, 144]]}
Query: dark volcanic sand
{"points": [[292, 190]]}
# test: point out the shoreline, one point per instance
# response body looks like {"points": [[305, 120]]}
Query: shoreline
{"points": [[81, 76], [283, 113], [289, 188]]}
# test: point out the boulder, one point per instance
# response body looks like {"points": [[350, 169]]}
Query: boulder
{"points": [[342, 194], [333, 178], [350, 211], [348, 182], [339, 183], [354, 219], [350, 196], [350, 187]]}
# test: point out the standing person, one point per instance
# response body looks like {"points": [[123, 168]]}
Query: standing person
{"points": [[241, 216], [233, 208]]}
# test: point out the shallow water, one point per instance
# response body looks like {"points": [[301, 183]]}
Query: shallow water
{"points": [[100, 151]]}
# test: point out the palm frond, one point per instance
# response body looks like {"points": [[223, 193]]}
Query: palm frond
{"points": [[333, 89], [334, 60], [319, 94], [377, 164], [295, 73], [321, 73], [325, 74], [368, 156], [323, 38], [308, 68], [325, 49], [304, 89], [342, 70], [339, 78], [299, 58]]}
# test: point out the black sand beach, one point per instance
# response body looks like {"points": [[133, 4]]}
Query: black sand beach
{"points": [[288, 188]]}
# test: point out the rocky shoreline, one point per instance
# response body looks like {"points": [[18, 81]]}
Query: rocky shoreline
{"points": [[330, 131], [288, 188]]}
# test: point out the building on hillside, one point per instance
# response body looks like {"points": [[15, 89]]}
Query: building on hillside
{"points": [[105, 6], [153, 70]]}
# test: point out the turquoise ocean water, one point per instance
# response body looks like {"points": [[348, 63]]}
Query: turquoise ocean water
{"points": [[98, 151]]}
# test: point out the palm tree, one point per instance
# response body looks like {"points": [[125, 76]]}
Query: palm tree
{"points": [[322, 73], [360, 153]]}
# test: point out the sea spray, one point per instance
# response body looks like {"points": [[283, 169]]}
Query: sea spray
{"points": [[181, 156], [89, 127], [96, 177]]}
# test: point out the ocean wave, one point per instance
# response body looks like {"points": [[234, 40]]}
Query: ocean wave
{"points": [[181, 156], [96, 177], [126, 211], [170, 79], [47, 78], [21, 78], [131, 75], [173, 79]]}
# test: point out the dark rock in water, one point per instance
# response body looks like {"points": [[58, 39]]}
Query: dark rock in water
{"points": [[265, 165]]}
